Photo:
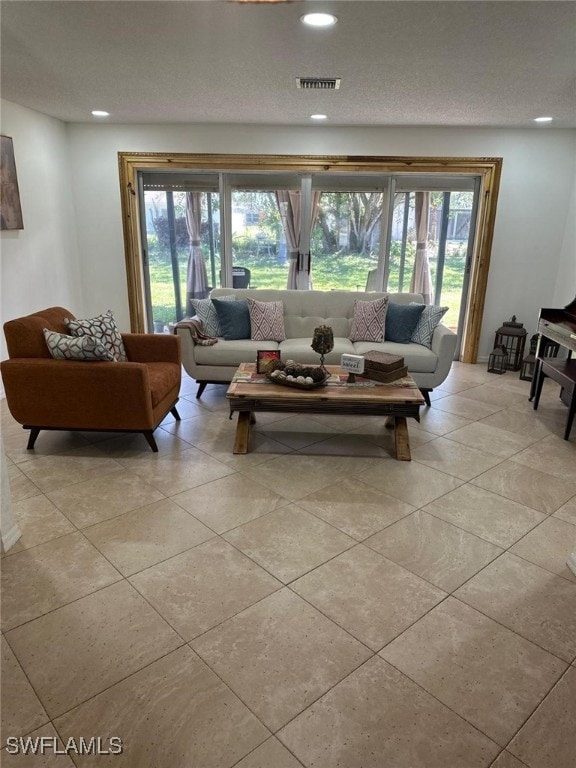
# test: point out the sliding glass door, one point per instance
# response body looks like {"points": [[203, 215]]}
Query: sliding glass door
{"points": [[180, 232], [327, 231], [431, 241]]}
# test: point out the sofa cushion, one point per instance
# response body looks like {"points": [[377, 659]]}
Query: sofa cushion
{"points": [[266, 320], [368, 320], [233, 318], [163, 378], [231, 352], [206, 311], [419, 359], [86, 348], [428, 321], [401, 321], [102, 327]]}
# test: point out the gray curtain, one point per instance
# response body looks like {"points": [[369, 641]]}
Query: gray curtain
{"points": [[421, 281], [197, 276], [290, 209]]}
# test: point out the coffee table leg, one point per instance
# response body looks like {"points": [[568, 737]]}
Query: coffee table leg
{"points": [[401, 439], [242, 432]]}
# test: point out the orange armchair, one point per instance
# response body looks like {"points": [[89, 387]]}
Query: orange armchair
{"points": [[44, 393]]}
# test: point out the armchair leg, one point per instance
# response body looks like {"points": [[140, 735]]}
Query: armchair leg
{"points": [[201, 388], [175, 413], [34, 432], [426, 396], [150, 438]]}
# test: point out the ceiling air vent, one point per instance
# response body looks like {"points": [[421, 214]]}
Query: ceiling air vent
{"points": [[318, 83]]}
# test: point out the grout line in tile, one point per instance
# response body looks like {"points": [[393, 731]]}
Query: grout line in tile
{"points": [[274, 733], [514, 631], [544, 568], [117, 682], [449, 592], [478, 536], [258, 747], [540, 703], [469, 722]]}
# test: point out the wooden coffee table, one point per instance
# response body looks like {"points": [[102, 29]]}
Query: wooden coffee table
{"points": [[250, 392]]}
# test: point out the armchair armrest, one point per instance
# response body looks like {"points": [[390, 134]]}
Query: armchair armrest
{"points": [[78, 395], [152, 348]]}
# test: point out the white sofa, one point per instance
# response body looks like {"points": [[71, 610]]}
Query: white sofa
{"points": [[303, 312]]}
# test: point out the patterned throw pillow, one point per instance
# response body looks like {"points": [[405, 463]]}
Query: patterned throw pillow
{"points": [[368, 320], [206, 311], [429, 319], [266, 320], [104, 329], [401, 321], [85, 348]]}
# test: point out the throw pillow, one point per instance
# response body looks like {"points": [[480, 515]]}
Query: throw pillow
{"points": [[401, 321], [266, 320], [234, 319], [206, 311], [85, 348], [368, 320], [429, 319], [104, 329]]}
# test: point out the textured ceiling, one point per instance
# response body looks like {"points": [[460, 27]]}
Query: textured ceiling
{"points": [[401, 63]]}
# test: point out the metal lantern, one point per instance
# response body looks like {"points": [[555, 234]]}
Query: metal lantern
{"points": [[498, 360], [529, 362], [512, 336]]}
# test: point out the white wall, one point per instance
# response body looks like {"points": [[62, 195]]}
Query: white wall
{"points": [[39, 264], [566, 279], [529, 259]]}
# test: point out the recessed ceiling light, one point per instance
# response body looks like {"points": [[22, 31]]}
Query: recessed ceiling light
{"points": [[319, 19], [100, 113], [543, 119], [318, 117]]}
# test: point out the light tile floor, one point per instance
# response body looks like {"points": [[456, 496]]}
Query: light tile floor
{"points": [[314, 603]]}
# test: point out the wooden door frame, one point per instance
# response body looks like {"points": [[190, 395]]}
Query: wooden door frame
{"points": [[487, 168]]}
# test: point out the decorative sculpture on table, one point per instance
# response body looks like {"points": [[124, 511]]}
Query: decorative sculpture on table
{"points": [[323, 341]]}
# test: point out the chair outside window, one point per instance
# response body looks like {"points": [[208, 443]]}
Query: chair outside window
{"points": [[241, 277]]}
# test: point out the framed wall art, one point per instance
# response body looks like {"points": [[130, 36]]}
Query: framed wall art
{"points": [[10, 210]]}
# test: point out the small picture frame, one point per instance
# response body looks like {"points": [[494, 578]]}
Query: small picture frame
{"points": [[264, 357]]}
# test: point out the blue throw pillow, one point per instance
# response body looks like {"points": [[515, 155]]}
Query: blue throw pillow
{"points": [[401, 321], [233, 319]]}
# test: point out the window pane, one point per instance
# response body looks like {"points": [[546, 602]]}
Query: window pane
{"points": [[259, 253], [449, 216], [169, 247], [346, 240]]}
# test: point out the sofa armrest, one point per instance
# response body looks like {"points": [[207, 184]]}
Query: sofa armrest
{"points": [[191, 327], [152, 348], [78, 395], [444, 346]]}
